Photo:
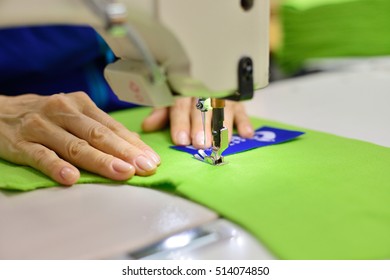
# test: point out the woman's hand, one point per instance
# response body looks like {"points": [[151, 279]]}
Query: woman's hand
{"points": [[186, 122], [55, 134]]}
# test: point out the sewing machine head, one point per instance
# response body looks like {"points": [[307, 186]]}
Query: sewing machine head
{"points": [[208, 49], [201, 48]]}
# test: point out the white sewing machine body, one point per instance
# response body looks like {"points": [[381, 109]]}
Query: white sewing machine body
{"points": [[186, 47]]}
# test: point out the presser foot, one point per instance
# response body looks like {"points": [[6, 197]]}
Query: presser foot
{"points": [[213, 159]]}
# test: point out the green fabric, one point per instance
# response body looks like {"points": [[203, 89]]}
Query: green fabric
{"points": [[307, 4], [317, 197], [337, 28]]}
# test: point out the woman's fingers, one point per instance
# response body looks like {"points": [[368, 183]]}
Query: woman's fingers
{"points": [[179, 115], [234, 113], [187, 122], [229, 117], [104, 139], [157, 120], [80, 153], [47, 161], [242, 121], [134, 143], [58, 133]]}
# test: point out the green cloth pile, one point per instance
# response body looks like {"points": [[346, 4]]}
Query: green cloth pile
{"points": [[332, 29], [319, 196]]}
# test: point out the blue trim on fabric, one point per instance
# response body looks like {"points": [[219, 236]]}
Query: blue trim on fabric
{"points": [[264, 136]]}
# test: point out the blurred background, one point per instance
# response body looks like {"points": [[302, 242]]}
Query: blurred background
{"points": [[308, 36]]}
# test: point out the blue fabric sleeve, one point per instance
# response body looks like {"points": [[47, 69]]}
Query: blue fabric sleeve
{"points": [[53, 59]]}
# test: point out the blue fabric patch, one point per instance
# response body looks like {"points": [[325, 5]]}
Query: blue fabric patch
{"points": [[264, 136]]}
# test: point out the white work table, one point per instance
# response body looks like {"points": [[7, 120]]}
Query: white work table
{"points": [[102, 221]]}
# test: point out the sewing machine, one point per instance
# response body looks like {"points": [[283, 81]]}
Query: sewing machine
{"points": [[207, 49]]}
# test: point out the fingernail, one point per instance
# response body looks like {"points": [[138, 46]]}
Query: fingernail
{"points": [[121, 166], [145, 164], [199, 138], [153, 156], [68, 174], [248, 130], [182, 138]]}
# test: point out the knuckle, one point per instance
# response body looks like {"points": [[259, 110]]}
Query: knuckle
{"points": [[101, 162], [41, 155], [32, 123], [34, 120], [56, 103], [127, 154], [82, 96], [17, 151], [17, 145], [75, 148], [97, 134], [115, 126], [183, 103], [56, 99]]}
